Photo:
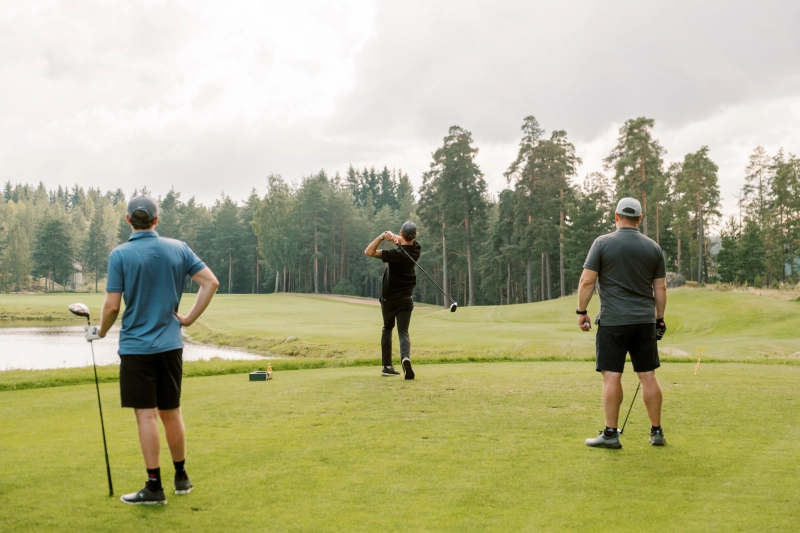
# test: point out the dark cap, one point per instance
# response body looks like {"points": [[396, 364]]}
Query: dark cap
{"points": [[143, 203], [409, 230]]}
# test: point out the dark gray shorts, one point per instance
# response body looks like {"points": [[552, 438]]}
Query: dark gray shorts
{"points": [[613, 343], [151, 380]]}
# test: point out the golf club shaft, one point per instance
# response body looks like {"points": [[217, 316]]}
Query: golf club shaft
{"points": [[102, 425], [423, 270], [630, 408]]}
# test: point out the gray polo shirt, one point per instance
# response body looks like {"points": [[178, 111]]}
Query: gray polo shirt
{"points": [[626, 263]]}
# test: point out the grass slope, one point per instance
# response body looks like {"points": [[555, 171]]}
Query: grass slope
{"points": [[489, 447], [728, 325]]}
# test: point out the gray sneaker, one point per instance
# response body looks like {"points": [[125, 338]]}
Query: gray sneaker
{"points": [[601, 441], [657, 437], [183, 485], [145, 497]]}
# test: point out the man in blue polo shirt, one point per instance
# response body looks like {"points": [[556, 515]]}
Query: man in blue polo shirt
{"points": [[149, 272]]}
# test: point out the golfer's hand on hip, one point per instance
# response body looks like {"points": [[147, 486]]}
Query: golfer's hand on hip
{"points": [[185, 322], [92, 333], [585, 322]]}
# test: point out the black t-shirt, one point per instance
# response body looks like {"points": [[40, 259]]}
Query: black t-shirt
{"points": [[399, 278]]}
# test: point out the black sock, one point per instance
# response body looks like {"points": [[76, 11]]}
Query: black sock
{"points": [[154, 479], [610, 432], [180, 468], [655, 428]]}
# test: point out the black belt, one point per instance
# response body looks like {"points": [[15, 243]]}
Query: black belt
{"points": [[396, 299]]}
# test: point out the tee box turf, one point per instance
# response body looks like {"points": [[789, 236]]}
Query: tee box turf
{"points": [[260, 375]]}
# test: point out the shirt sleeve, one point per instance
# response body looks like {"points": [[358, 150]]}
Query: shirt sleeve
{"points": [[393, 256], [593, 259], [115, 281], [193, 263], [661, 268]]}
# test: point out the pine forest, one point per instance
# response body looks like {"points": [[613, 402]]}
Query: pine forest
{"points": [[525, 244]]}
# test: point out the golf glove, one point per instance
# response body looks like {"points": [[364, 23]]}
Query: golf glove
{"points": [[92, 333], [661, 328]]}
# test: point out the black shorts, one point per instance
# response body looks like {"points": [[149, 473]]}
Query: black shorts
{"points": [[151, 380], [614, 342]]}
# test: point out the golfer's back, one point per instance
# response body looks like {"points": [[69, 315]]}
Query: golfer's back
{"points": [[150, 272], [626, 263]]}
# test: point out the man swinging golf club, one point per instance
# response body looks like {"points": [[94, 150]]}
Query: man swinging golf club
{"points": [[399, 280], [633, 296], [149, 272]]}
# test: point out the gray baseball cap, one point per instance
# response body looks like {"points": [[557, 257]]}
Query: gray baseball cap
{"points": [[629, 207], [143, 203], [409, 230]]}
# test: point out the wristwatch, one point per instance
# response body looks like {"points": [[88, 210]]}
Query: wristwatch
{"points": [[579, 312]]}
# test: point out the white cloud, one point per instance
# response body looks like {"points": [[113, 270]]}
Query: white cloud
{"points": [[216, 95]]}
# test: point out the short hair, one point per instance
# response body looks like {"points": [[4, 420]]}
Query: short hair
{"points": [[635, 220], [141, 220]]}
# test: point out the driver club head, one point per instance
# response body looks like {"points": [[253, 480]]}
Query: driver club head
{"points": [[80, 310], [453, 307]]}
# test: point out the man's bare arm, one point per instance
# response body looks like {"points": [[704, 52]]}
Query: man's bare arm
{"points": [[208, 287], [372, 249], [585, 291], [110, 312], [660, 294]]}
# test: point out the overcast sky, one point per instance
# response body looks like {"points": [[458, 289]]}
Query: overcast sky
{"points": [[213, 96]]}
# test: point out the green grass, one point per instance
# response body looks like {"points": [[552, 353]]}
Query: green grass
{"points": [[471, 447], [465, 447], [728, 325]]}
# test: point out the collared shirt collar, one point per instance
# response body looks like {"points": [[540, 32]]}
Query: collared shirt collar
{"points": [[628, 228], [143, 234]]}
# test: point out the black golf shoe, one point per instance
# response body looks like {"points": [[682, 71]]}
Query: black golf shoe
{"points": [[657, 437], [145, 497], [389, 371], [182, 484], [407, 370], [601, 441]]}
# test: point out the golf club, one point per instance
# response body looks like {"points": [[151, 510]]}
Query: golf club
{"points": [[631, 407], [454, 305], [83, 310]]}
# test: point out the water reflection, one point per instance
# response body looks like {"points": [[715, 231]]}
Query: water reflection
{"points": [[64, 347]]}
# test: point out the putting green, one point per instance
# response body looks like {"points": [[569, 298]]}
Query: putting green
{"points": [[489, 447]]}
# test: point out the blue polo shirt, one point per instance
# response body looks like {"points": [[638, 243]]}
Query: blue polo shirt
{"points": [[150, 272]]}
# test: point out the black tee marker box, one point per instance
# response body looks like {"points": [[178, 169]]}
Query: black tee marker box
{"points": [[258, 375]]}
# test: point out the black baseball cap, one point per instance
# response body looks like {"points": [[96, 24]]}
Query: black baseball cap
{"points": [[409, 230], [143, 203]]}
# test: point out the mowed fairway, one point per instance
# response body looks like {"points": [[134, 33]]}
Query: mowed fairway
{"points": [[465, 447], [729, 325]]}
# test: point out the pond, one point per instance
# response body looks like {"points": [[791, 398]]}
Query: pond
{"points": [[38, 348]]}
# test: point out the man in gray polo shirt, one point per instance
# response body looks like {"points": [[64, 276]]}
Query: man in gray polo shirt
{"points": [[149, 271], [633, 296]]}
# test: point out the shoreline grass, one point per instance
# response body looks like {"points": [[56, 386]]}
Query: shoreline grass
{"points": [[11, 380]]}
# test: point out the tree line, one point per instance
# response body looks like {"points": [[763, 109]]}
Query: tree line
{"points": [[525, 244]]}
